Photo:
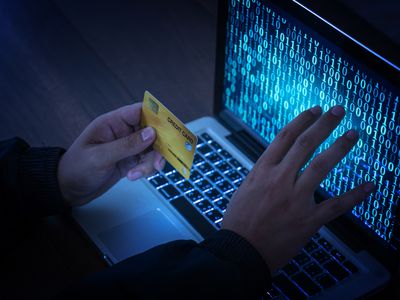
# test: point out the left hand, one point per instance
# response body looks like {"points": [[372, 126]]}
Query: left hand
{"points": [[111, 147], [274, 208]]}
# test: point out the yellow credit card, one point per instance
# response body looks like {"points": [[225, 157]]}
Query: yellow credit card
{"points": [[175, 142]]}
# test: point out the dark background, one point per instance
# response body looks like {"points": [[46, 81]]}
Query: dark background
{"points": [[62, 63]]}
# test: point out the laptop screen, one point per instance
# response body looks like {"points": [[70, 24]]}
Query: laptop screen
{"points": [[276, 67]]}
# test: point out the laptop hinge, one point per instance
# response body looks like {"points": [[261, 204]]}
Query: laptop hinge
{"points": [[246, 144]]}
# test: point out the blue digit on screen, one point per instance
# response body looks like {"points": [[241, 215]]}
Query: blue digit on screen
{"points": [[276, 68]]}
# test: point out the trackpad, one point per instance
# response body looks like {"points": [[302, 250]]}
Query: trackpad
{"points": [[139, 234]]}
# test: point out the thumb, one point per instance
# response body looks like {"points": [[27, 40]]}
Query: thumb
{"points": [[129, 145]]}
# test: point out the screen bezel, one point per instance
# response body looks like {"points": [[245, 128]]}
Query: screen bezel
{"points": [[351, 47]]}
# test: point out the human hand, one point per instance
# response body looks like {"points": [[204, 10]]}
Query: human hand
{"points": [[274, 208], [111, 147]]}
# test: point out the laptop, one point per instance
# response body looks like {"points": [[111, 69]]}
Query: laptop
{"points": [[275, 59]]}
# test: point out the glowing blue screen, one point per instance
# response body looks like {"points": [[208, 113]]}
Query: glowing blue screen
{"points": [[276, 67]]}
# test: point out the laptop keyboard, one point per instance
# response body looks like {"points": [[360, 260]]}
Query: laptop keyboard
{"points": [[317, 267], [202, 200]]}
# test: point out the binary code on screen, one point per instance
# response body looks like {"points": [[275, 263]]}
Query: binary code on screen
{"points": [[276, 67]]}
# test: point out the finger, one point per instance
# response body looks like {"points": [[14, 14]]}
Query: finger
{"points": [[159, 161], [144, 168], [129, 114], [321, 165], [286, 137], [132, 144], [311, 138], [113, 125], [333, 208]]}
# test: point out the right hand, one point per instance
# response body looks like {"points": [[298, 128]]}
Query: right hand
{"points": [[111, 147], [274, 208]]}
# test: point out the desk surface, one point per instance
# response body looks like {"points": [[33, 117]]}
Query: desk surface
{"points": [[62, 63]]}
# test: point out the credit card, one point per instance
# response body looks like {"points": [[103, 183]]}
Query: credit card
{"points": [[174, 141]]}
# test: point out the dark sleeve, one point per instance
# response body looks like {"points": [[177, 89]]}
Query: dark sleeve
{"points": [[223, 266], [29, 187]]}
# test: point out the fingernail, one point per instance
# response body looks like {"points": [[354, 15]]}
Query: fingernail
{"points": [[338, 111], [133, 175], [352, 134], [161, 164], [316, 110], [369, 187], [147, 133]]}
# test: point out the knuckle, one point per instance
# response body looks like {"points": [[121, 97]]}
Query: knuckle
{"points": [[126, 141], [308, 115], [343, 145], [275, 182], [336, 206], [129, 141], [318, 164], [284, 134], [305, 141]]}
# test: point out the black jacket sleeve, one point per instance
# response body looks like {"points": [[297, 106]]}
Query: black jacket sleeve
{"points": [[29, 188], [223, 266]]}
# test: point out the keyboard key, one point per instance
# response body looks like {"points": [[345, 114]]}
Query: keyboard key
{"points": [[325, 280], [222, 203], [234, 175], [271, 293], [193, 216], [175, 177], [185, 186], [302, 258], [194, 195], [336, 270], [316, 236], [324, 243], [321, 256], [205, 149], [195, 175], [235, 163], [168, 168], [169, 191], [225, 154], [203, 185], [206, 136], [214, 158], [311, 246], [224, 186], [214, 215], [287, 287], [205, 168], [312, 269], [339, 256], [204, 205], [200, 141], [244, 171], [238, 183], [215, 176], [224, 167], [291, 268], [350, 266], [158, 180], [198, 159], [215, 145], [306, 283], [229, 194], [213, 194]]}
